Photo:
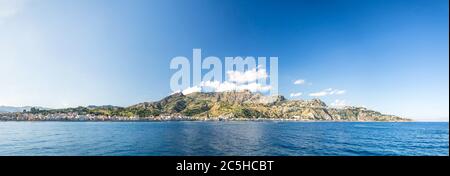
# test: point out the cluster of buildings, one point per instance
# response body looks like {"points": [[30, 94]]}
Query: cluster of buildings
{"points": [[78, 117]]}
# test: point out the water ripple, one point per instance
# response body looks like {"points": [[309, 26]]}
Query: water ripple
{"points": [[223, 138]]}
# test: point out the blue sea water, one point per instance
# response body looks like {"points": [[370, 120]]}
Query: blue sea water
{"points": [[224, 138]]}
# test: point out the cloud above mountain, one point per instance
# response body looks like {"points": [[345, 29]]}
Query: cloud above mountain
{"points": [[299, 82], [247, 76], [297, 94], [326, 92], [238, 81]]}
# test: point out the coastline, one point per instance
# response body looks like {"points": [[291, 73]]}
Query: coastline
{"points": [[208, 120]]}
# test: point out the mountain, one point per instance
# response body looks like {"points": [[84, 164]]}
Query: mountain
{"points": [[242, 105], [247, 105], [19, 109]]}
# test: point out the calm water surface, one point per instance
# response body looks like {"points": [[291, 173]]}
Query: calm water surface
{"points": [[223, 138]]}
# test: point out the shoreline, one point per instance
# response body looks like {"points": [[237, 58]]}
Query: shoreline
{"points": [[75, 117], [225, 121]]}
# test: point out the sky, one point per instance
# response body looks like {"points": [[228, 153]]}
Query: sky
{"points": [[388, 55]]}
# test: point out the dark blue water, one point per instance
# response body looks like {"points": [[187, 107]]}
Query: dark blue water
{"points": [[223, 138]]}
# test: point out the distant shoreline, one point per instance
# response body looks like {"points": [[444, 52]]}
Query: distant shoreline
{"points": [[208, 120]]}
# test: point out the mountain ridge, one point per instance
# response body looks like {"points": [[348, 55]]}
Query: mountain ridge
{"points": [[232, 105], [244, 104]]}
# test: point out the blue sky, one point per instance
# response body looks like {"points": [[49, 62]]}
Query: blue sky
{"points": [[387, 55]]}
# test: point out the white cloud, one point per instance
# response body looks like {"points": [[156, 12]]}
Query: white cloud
{"points": [[175, 92], [191, 90], [254, 87], [247, 76], [318, 94], [337, 92], [299, 82], [329, 91], [217, 86], [238, 81], [339, 103], [296, 94]]}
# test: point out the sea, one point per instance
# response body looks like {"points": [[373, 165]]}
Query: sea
{"points": [[224, 138]]}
